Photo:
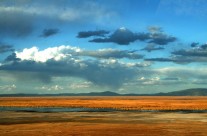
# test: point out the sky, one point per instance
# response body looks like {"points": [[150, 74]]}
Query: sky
{"points": [[123, 46]]}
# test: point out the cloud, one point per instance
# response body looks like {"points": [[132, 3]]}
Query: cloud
{"points": [[199, 82], [154, 29], [179, 59], [12, 58], [49, 32], [192, 52], [86, 34], [161, 39], [5, 48], [167, 76], [155, 80], [157, 36], [152, 47], [8, 87], [183, 56], [58, 53], [63, 61], [15, 22], [80, 85], [171, 78], [195, 54], [111, 53], [124, 36], [148, 81], [121, 36], [51, 88], [183, 73], [18, 19], [173, 75], [160, 59], [55, 53], [108, 74], [204, 46], [194, 44]]}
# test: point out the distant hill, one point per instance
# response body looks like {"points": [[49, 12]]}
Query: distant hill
{"points": [[187, 92], [106, 93]]}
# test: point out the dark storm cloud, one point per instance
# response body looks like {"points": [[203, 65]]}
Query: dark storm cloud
{"points": [[112, 74], [49, 32], [160, 59], [191, 53], [161, 39], [152, 47], [200, 51], [194, 44], [123, 36], [142, 36], [157, 36], [86, 34], [12, 57], [13, 23], [183, 56], [204, 46], [6, 48]]}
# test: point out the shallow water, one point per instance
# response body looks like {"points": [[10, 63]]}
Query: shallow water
{"points": [[54, 109], [81, 109]]}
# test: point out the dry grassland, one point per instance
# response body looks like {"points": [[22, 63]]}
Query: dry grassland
{"points": [[121, 103]]}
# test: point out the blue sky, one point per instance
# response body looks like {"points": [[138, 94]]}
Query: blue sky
{"points": [[125, 46]]}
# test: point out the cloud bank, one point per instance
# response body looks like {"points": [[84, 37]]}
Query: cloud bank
{"points": [[66, 61], [183, 56]]}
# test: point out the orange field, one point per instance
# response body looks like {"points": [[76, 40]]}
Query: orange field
{"points": [[122, 103]]}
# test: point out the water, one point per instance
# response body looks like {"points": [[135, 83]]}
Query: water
{"points": [[54, 109], [81, 109]]}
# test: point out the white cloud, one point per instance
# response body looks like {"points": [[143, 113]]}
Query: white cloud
{"points": [[8, 87], [56, 53], [64, 51], [80, 85], [52, 88]]}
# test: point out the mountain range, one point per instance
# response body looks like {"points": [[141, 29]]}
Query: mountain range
{"points": [[187, 92]]}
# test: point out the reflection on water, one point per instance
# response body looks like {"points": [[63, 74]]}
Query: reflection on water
{"points": [[82, 109], [55, 109]]}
